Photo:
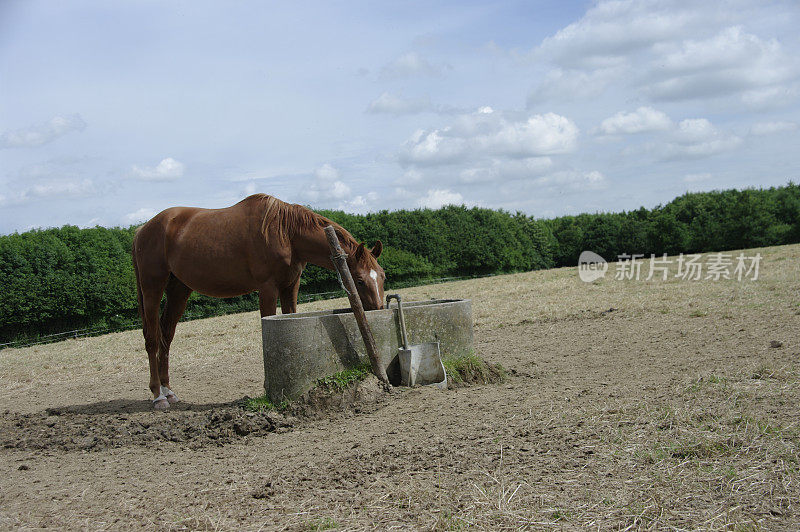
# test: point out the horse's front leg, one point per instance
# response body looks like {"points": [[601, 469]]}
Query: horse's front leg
{"points": [[288, 291], [268, 299]]}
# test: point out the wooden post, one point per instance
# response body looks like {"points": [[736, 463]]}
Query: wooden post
{"points": [[339, 259]]}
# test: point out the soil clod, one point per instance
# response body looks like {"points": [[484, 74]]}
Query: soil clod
{"points": [[80, 429]]}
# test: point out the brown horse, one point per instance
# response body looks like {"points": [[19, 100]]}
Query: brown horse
{"points": [[261, 243]]}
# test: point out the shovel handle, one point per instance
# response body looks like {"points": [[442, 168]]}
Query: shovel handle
{"points": [[402, 318], [338, 258]]}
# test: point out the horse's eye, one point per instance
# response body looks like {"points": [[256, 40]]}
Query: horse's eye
{"points": [[361, 282]]}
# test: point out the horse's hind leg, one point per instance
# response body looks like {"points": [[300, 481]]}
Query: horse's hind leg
{"points": [[151, 300], [177, 296]]}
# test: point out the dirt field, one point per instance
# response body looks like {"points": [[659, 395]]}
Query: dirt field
{"points": [[629, 405]]}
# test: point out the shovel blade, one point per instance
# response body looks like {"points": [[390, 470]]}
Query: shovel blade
{"points": [[422, 364]]}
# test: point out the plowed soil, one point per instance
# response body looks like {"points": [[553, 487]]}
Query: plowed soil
{"points": [[628, 405]]}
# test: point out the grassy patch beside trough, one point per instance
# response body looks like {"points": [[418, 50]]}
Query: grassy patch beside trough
{"points": [[471, 368], [262, 403], [345, 378]]}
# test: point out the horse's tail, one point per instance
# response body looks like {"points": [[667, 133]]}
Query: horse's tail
{"points": [[136, 273]]}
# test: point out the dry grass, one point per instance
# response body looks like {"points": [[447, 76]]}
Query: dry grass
{"points": [[670, 412]]}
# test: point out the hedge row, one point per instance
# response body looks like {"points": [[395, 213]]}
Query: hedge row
{"points": [[692, 223], [68, 278]]}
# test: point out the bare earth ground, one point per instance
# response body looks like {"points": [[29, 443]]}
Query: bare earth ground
{"points": [[671, 411]]}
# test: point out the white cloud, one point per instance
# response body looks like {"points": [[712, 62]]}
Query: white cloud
{"points": [[670, 50], [729, 48], [48, 189], [411, 64], [339, 190], [326, 187], [139, 216], [539, 135], [642, 120], [772, 97], [490, 133], [359, 203], [167, 170], [326, 172], [695, 178], [40, 134], [505, 170], [567, 84], [696, 138], [432, 147], [693, 130], [732, 61], [269, 173], [250, 189], [62, 168], [320, 190], [691, 138], [612, 31], [436, 198], [769, 128], [397, 105], [57, 188], [328, 184], [573, 180], [402, 193], [94, 222], [412, 175]]}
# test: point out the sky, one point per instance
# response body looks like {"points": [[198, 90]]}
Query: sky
{"points": [[113, 111]]}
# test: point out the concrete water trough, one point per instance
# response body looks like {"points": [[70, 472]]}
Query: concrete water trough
{"points": [[301, 348]]}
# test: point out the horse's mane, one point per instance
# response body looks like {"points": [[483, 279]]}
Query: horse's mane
{"points": [[285, 220]]}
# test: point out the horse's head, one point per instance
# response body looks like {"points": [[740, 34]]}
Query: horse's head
{"points": [[368, 275]]}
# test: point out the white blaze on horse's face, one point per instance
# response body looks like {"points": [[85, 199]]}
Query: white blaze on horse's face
{"points": [[370, 288], [369, 276], [374, 276]]}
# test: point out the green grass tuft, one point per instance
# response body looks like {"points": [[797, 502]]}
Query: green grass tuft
{"points": [[763, 371], [323, 523], [689, 449], [702, 382], [262, 404], [472, 368], [344, 379]]}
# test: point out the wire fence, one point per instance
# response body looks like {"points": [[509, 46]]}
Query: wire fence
{"points": [[302, 298]]}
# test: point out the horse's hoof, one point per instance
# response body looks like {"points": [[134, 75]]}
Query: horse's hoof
{"points": [[161, 404], [172, 398]]}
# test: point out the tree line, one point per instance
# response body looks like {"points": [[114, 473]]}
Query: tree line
{"points": [[65, 278]]}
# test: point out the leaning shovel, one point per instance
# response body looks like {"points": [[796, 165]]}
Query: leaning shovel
{"points": [[419, 363]]}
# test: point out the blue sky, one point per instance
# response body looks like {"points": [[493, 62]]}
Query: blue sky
{"points": [[113, 111]]}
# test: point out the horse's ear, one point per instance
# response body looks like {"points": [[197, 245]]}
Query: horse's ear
{"points": [[377, 249], [359, 251]]}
